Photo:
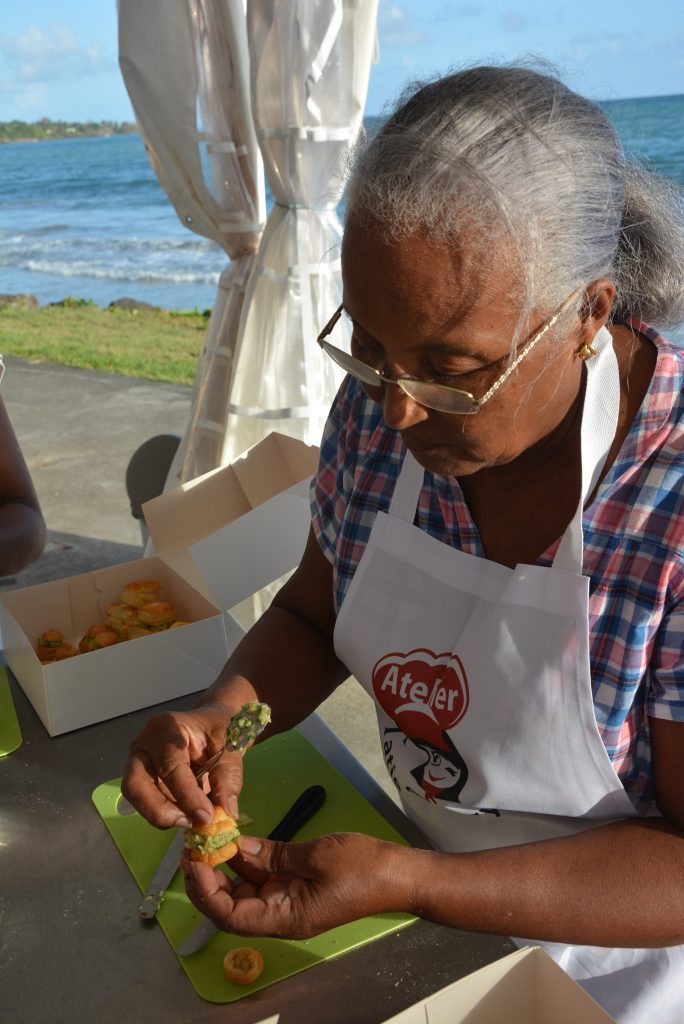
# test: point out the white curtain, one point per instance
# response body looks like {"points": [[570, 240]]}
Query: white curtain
{"points": [[186, 67], [310, 62], [205, 82]]}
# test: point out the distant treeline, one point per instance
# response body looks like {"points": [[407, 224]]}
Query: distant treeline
{"points": [[35, 131]]}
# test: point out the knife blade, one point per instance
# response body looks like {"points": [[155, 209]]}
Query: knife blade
{"points": [[304, 807], [168, 866]]}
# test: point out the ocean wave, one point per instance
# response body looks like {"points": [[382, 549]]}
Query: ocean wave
{"points": [[105, 244], [57, 268], [45, 229]]}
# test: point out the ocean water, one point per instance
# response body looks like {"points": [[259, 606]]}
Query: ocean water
{"points": [[87, 217]]}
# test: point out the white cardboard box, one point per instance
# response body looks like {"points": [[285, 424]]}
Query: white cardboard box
{"points": [[232, 531], [103, 684], [227, 533], [526, 987]]}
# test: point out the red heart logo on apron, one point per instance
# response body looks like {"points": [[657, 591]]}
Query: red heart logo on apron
{"points": [[425, 693]]}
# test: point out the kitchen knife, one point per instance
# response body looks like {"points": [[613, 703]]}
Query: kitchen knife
{"points": [[168, 866], [304, 807]]}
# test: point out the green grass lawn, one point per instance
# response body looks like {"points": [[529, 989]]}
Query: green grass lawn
{"points": [[158, 345]]}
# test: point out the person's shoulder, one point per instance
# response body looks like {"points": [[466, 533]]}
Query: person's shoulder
{"points": [[670, 355], [664, 403]]}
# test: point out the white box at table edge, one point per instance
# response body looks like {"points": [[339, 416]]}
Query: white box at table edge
{"points": [[233, 530], [104, 684], [525, 987]]}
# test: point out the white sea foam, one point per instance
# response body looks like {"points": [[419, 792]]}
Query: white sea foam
{"points": [[143, 274]]}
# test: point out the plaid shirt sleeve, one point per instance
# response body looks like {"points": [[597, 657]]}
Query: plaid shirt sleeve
{"points": [[332, 485], [666, 689]]}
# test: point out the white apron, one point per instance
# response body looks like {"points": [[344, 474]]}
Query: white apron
{"points": [[482, 685]]}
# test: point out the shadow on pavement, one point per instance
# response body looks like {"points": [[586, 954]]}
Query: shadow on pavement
{"points": [[67, 554]]}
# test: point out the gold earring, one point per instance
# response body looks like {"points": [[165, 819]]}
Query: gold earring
{"points": [[587, 351]]}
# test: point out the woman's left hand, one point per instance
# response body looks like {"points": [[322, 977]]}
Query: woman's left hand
{"points": [[296, 890]]}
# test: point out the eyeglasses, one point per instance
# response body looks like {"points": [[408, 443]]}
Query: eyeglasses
{"points": [[440, 397]]}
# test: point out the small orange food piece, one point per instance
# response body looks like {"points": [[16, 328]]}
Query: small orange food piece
{"points": [[50, 638], [97, 637], [140, 592], [65, 651], [243, 965], [48, 642], [157, 615]]}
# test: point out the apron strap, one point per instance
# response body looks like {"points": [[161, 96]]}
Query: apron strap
{"points": [[599, 423], [407, 489]]}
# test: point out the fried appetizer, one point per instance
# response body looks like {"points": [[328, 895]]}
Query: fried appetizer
{"points": [[65, 651], [157, 615], [243, 965], [47, 644], [175, 625], [120, 618], [140, 593], [97, 637], [245, 726], [213, 843], [137, 631]]}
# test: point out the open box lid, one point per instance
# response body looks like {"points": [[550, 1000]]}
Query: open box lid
{"points": [[235, 529], [526, 987]]}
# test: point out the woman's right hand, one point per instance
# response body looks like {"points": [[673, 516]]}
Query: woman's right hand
{"points": [[158, 778]]}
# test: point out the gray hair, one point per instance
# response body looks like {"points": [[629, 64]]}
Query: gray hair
{"points": [[514, 149]]}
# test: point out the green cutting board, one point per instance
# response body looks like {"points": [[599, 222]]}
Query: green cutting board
{"points": [[10, 733], [277, 771]]}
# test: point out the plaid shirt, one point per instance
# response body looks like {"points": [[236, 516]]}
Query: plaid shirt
{"points": [[633, 549]]}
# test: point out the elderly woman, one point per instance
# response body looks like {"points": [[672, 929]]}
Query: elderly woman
{"points": [[495, 554]]}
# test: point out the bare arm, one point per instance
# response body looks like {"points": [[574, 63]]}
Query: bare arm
{"points": [[616, 885], [22, 529], [286, 660]]}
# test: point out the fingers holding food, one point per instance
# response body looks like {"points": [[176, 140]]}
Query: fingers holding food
{"points": [[158, 778], [215, 842]]}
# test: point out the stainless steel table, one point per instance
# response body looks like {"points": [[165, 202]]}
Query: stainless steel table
{"points": [[72, 946]]}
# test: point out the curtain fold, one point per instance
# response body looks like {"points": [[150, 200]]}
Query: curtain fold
{"points": [[214, 90], [310, 63], [185, 64]]}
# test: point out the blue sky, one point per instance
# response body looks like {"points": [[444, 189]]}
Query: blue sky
{"points": [[60, 60]]}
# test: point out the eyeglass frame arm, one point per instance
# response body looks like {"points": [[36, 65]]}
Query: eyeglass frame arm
{"points": [[477, 402]]}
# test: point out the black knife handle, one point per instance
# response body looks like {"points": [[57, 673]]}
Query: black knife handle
{"points": [[302, 809]]}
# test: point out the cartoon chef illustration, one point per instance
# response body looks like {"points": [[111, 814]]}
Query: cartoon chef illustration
{"points": [[424, 695]]}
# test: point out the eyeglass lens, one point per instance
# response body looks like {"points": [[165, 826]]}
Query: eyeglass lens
{"points": [[433, 396]]}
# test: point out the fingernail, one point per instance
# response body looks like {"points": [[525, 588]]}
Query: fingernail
{"points": [[233, 806], [203, 817], [183, 822], [249, 844]]}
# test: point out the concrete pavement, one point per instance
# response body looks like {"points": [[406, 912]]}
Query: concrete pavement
{"points": [[77, 430]]}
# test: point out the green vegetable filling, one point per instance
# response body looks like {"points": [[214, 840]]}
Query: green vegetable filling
{"points": [[245, 726], [208, 844]]}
